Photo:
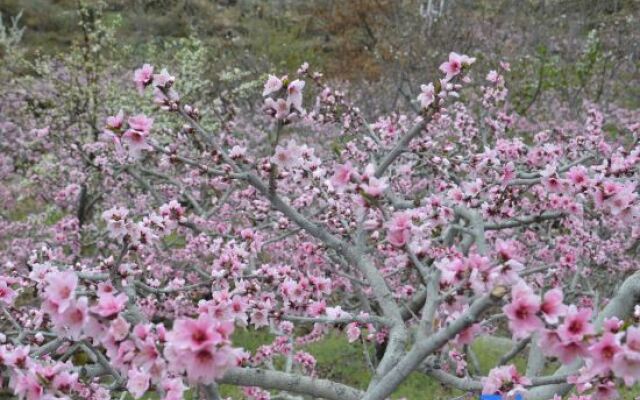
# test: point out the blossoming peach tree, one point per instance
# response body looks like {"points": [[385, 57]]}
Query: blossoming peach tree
{"points": [[413, 235]]}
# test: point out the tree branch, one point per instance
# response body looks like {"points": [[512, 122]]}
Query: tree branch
{"points": [[274, 380]]}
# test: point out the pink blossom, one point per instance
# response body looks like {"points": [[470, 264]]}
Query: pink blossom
{"points": [[294, 95], [195, 334], [202, 365], [578, 176], [116, 221], [60, 290], [626, 365], [115, 122], [304, 68], [507, 249], [454, 65], [633, 338], [427, 96], [259, 318], [163, 79], [605, 391], [467, 335], [452, 270], [336, 312], [353, 332], [508, 172], [136, 135], [278, 109], [138, 382], [143, 77], [173, 388], [552, 307], [604, 351], [504, 380], [39, 272], [507, 273], [399, 229], [286, 327], [239, 256], [140, 123], [119, 328], [75, 317], [613, 325], [105, 287], [18, 357], [493, 76], [552, 346], [272, 85], [237, 152], [287, 157], [109, 305], [65, 381], [238, 309], [374, 187], [622, 200], [306, 361], [167, 99], [553, 184], [576, 325], [480, 277], [27, 386], [522, 311], [342, 175], [317, 308], [6, 293]]}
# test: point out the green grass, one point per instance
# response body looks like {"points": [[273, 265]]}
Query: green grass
{"points": [[345, 362]]}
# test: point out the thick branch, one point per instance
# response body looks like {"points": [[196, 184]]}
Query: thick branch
{"points": [[294, 383], [516, 222], [427, 346], [476, 225], [372, 319], [475, 385], [515, 350]]}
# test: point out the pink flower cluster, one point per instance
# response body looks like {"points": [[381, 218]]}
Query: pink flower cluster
{"points": [[283, 109], [7, 294], [164, 94], [451, 68], [455, 64], [505, 381], [201, 347], [294, 156], [525, 307], [32, 379], [567, 333], [346, 178], [135, 135], [145, 232]]}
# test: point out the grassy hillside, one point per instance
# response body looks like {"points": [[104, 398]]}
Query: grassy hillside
{"points": [[585, 49]]}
